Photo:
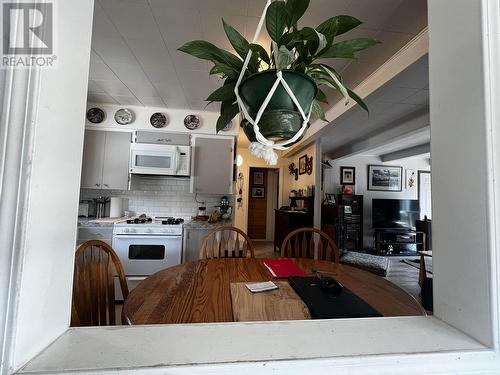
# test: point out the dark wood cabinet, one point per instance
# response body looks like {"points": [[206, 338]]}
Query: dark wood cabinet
{"points": [[287, 221], [331, 222]]}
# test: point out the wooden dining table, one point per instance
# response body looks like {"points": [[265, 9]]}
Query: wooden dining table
{"points": [[200, 291]]}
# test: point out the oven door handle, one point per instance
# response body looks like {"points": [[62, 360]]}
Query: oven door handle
{"points": [[177, 160]]}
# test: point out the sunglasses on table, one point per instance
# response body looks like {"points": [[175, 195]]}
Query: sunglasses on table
{"points": [[327, 284]]}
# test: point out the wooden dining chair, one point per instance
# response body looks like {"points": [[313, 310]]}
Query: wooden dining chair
{"points": [[301, 243], [93, 302], [226, 242]]}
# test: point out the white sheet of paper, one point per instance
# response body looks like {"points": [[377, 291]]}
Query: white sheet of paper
{"points": [[261, 287]]}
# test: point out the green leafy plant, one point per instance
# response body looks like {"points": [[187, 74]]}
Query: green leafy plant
{"points": [[292, 48]]}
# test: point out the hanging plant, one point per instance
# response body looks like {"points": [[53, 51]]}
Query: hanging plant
{"points": [[297, 54]]}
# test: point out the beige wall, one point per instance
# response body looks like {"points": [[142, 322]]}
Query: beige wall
{"points": [[305, 179], [286, 181]]}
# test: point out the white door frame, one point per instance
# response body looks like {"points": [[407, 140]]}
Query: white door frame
{"points": [[419, 173], [273, 187], [16, 149]]}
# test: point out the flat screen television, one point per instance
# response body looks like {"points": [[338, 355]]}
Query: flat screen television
{"points": [[395, 213]]}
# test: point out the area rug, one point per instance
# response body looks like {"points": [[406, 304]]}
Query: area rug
{"points": [[416, 263]]}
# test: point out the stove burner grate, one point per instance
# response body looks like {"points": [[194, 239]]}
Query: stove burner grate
{"points": [[172, 221], [137, 220]]}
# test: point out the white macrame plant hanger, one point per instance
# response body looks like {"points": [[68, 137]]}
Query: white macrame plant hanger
{"points": [[264, 148]]}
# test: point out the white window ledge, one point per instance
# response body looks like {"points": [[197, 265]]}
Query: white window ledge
{"points": [[212, 347]]}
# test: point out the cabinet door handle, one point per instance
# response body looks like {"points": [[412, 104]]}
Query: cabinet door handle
{"points": [[163, 140]]}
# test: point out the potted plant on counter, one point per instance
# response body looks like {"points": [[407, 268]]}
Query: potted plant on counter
{"points": [[298, 53]]}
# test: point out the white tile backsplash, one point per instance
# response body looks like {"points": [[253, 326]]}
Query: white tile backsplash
{"points": [[159, 196]]}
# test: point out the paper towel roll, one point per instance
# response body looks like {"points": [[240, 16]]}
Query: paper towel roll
{"points": [[116, 207]]}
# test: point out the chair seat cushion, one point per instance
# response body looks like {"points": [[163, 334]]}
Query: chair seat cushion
{"points": [[372, 263]]}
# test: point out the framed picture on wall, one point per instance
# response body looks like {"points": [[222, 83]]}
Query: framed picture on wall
{"points": [[347, 176], [303, 164], [258, 192], [411, 179], [258, 178], [385, 178]]}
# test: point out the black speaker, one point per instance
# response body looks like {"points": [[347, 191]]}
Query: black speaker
{"points": [[426, 294]]}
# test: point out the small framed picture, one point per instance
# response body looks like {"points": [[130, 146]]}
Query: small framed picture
{"points": [[411, 179], [258, 192], [384, 178], [303, 164], [258, 178], [347, 176]]}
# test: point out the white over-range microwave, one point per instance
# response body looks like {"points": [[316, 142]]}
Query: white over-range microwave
{"points": [[164, 160]]}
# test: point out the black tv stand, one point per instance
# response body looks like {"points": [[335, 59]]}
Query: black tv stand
{"points": [[397, 241]]}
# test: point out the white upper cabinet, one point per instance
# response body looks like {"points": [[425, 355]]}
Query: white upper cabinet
{"points": [[93, 156], [213, 164], [115, 171], [106, 160]]}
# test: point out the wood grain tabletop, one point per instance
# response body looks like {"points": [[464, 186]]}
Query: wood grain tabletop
{"points": [[279, 304], [200, 292]]}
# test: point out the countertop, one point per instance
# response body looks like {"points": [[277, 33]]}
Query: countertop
{"points": [[192, 224], [104, 222], [202, 225]]}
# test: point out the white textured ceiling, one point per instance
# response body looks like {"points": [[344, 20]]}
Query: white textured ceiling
{"points": [[135, 60], [398, 100], [414, 140]]}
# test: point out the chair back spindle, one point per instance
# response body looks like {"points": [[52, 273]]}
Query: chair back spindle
{"points": [[226, 242], [309, 243]]}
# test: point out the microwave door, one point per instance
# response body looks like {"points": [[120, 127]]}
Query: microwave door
{"points": [[150, 162]]}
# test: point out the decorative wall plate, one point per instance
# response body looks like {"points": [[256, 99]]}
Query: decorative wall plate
{"points": [[96, 115], [158, 120], [228, 126], [124, 116], [192, 122]]}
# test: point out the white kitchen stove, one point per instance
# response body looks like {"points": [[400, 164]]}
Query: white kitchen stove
{"points": [[146, 246]]}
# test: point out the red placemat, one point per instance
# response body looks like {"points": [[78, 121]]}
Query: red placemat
{"points": [[282, 268]]}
